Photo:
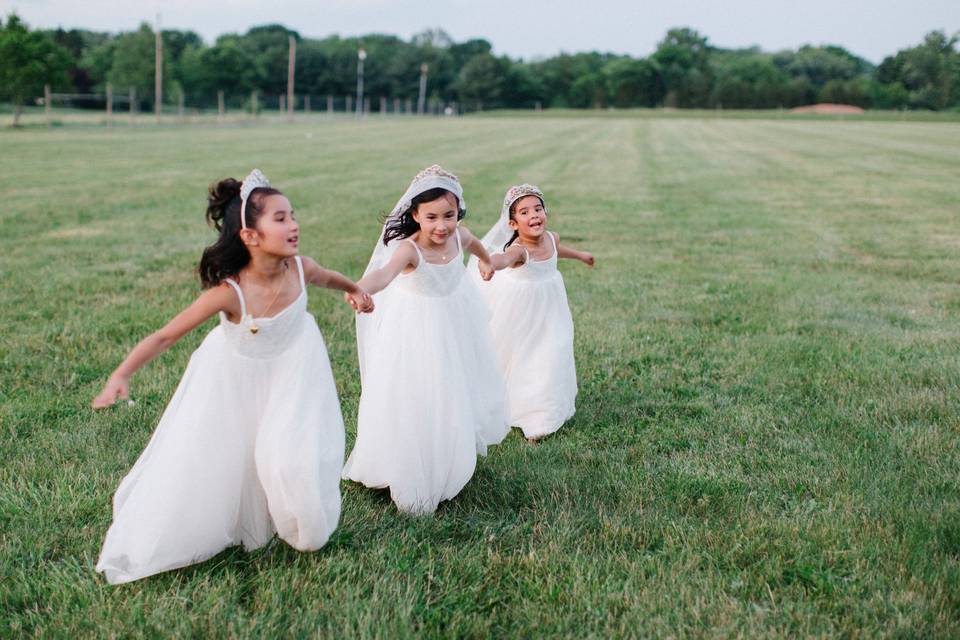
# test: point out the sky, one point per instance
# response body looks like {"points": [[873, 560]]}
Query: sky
{"points": [[872, 29]]}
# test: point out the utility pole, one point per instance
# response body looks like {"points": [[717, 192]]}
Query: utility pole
{"points": [[421, 101], [158, 74], [291, 65], [109, 105], [361, 56]]}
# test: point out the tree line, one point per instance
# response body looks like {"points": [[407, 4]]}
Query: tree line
{"points": [[685, 70]]}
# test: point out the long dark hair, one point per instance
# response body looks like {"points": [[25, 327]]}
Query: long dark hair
{"points": [[404, 226], [228, 255], [513, 212]]}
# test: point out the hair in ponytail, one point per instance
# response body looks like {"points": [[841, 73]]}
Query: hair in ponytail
{"points": [[228, 255], [404, 226]]}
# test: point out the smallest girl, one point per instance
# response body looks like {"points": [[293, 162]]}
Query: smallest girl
{"points": [[252, 440], [530, 318]]}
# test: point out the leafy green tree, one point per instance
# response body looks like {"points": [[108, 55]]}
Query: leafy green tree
{"points": [[522, 89], [634, 83], [389, 66], [588, 92], [462, 53], [683, 57], [930, 72], [134, 64], [338, 76], [685, 71], [560, 73], [96, 60], [820, 65], [270, 47], [855, 92], [28, 61], [227, 66], [480, 83], [891, 95], [750, 79]]}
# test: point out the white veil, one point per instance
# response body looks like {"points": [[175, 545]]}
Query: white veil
{"points": [[432, 177], [501, 232]]}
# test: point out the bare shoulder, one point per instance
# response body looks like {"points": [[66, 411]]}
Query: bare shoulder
{"points": [[405, 250], [405, 255], [405, 247], [556, 236], [310, 266], [465, 234], [517, 254], [221, 293], [221, 298]]}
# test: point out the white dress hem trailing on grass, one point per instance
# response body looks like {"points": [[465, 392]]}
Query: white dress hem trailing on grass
{"points": [[250, 444], [432, 397], [532, 332]]}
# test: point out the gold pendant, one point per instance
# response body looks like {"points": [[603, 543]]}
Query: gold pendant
{"points": [[254, 328]]}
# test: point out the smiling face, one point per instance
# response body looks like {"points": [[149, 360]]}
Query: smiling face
{"points": [[529, 218], [437, 219], [277, 232]]}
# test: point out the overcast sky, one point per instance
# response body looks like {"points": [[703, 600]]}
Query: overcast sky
{"points": [[540, 28]]}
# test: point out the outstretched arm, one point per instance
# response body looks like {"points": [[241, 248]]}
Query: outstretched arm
{"points": [[514, 256], [318, 276], [376, 281], [474, 246], [564, 251], [210, 302]]}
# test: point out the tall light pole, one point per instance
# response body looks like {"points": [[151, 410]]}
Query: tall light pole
{"points": [[158, 73], [361, 56], [291, 66], [421, 101]]}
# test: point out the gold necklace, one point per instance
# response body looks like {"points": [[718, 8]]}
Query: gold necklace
{"points": [[276, 294], [443, 256]]}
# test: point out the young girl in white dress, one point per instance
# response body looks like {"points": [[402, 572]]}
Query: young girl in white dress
{"points": [[432, 397], [252, 441], [530, 318]]}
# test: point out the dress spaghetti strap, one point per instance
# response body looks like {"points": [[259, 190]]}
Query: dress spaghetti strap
{"points": [[417, 249], [303, 285], [459, 248], [243, 303]]}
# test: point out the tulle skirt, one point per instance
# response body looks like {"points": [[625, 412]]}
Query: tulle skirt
{"points": [[246, 447], [432, 399], [533, 334]]}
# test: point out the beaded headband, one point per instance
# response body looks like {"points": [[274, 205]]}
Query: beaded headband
{"points": [[518, 191], [255, 180]]}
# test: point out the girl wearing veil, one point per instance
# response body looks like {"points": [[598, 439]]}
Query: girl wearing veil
{"points": [[432, 396], [530, 318]]}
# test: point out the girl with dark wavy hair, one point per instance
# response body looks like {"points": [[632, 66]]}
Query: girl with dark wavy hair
{"points": [[252, 441], [432, 399]]}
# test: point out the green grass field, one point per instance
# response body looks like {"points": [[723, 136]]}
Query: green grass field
{"points": [[767, 440]]}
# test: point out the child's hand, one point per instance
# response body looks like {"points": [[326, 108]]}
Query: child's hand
{"points": [[486, 269], [365, 301], [361, 301], [587, 259], [117, 388]]}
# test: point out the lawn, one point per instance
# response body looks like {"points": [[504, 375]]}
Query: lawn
{"points": [[767, 440]]}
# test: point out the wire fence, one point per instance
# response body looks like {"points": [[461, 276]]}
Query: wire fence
{"points": [[113, 107]]}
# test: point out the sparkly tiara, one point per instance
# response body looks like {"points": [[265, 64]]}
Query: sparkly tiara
{"points": [[518, 191], [437, 171], [255, 180]]}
